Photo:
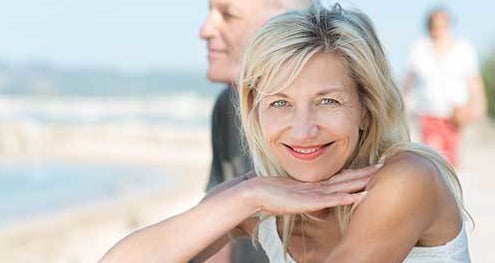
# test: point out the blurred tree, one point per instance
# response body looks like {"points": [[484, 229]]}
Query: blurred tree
{"points": [[488, 72]]}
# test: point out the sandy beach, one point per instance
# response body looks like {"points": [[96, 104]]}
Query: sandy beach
{"points": [[476, 175], [84, 234]]}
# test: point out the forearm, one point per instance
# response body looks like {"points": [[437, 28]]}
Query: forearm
{"points": [[179, 238]]}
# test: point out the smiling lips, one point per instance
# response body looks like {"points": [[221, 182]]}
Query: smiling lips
{"points": [[307, 153], [216, 53]]}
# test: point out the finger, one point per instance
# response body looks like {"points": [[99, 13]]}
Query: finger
{"points": [[338, 199], [351, 174], [341, 199], [358, 198], [314, 201], [308, 202], [350, 186]]}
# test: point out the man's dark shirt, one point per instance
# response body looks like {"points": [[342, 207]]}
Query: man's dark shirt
{"points": [[230, 154], [231, 158]]}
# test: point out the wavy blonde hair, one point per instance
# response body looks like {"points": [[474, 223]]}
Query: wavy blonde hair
{"points": [[281, 49]]}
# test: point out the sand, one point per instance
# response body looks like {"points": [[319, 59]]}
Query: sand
{"points": [[85, 234], [478, 180]]}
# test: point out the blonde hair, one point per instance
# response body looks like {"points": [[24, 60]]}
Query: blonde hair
{"points": [[279, 52]]}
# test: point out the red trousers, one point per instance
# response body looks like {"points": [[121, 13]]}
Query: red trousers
{"points": [[442, 135]]}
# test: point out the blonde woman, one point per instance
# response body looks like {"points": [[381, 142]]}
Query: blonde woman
{"points": [[317, 104]]}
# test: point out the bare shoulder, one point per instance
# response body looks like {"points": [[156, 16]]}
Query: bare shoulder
{"points": [[408, 184], [404, 200], [407, 171]]}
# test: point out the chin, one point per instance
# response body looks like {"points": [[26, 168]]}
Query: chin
{"points": [[220, 78], [312, 175], [215, 77], [221, 72], [308, 177]]}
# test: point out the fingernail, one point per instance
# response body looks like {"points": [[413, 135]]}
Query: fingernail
{"points": [[363, 193]]}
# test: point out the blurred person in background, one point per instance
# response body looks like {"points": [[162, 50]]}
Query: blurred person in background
{"points": [[443, 71], [227, 29]]}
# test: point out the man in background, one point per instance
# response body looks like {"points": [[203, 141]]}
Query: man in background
{"points": [[227, 30], [449, 91]]}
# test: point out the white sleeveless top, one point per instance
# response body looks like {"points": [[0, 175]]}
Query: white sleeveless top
{"points": [[454, 251]]}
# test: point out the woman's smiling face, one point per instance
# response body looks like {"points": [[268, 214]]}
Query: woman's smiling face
{"points": [[312, 127]]}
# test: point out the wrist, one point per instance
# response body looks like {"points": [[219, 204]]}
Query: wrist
{"points": [[249, 194]]}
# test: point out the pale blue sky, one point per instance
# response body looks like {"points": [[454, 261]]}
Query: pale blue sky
{"points": [[136, 35]]}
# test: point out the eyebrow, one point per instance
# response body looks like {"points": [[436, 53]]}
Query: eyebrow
{"points": [[326, 91], [332, 89], [218, 4], [224, 5]]}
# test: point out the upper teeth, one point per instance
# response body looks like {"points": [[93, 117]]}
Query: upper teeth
{"points": [[312, 150]]}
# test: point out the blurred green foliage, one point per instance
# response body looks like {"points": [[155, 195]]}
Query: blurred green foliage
{"points": [[488, 72]]}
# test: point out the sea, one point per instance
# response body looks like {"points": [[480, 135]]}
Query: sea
{"points": [[46, 96]]}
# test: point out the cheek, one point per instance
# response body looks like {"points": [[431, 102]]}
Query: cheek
{"points": [[238, 34], [267, 125], [353, 133], [343, 125], [273, 123], [237, 41]]}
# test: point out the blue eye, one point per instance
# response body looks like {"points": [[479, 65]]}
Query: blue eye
{"points": [[279, 104], [329, 101]]}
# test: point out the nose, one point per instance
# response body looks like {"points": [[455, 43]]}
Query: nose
{"points": [[304, 125], [208, 28]]}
